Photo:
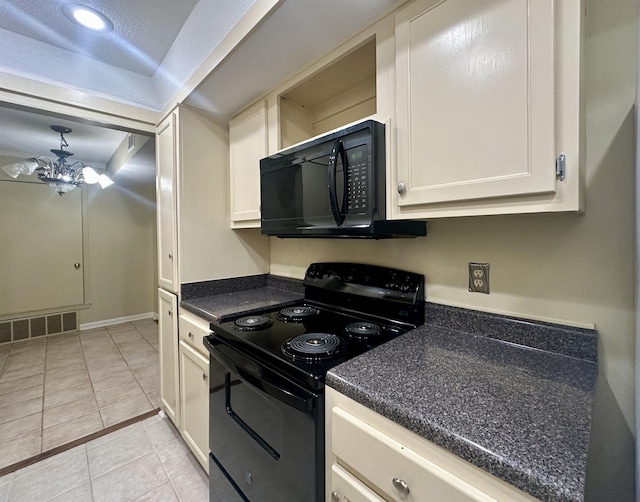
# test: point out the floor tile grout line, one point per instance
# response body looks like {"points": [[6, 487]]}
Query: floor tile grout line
{"points": [[123, 465], [93, 390], [82, 342], [127, 363]]}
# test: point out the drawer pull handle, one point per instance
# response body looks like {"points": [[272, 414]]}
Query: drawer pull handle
{"points": [[401, 485]]}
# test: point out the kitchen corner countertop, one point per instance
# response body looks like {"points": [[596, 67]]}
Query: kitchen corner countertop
{"points": [[523, 414], [218, 300]]}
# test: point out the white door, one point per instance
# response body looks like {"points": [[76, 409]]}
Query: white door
{"points": [[41, 263]]}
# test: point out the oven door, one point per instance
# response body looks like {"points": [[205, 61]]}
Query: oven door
{"points": [[266, 433]]}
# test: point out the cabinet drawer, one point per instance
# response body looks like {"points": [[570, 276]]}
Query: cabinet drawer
{"points": [[191, 330], [347, 488], [393, 469]]}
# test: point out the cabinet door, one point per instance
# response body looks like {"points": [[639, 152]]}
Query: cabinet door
{"points": [[194, 401], [166, 155], [168, 334], [248, 144], [475, 100]]}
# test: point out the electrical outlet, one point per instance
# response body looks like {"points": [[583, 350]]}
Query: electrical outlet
{"points": [[479, 277]]}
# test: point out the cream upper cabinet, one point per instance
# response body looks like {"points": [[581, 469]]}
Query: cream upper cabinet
{"points": [[166, 177], [248, 140], [487, 97], [193, 204]]}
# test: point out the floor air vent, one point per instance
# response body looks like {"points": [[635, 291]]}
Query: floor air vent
{"points": [[33, 327]]}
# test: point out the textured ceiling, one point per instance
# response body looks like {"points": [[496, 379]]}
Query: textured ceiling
{"points": [[143, 30], [27, 134], [155, 47]]}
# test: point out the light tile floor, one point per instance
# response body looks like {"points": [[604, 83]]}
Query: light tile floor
{"points": [[56, 389], [146, 461]]}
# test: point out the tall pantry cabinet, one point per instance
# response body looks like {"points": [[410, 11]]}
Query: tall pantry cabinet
{"points": [[195, 245], [166, 178]]}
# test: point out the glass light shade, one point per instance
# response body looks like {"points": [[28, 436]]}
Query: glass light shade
{"points": [[13, 169], [104, 181], [90, 175], [17, 168], [61, 187]]}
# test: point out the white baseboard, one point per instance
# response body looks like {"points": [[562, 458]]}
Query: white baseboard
{"points": [[118, 320]]}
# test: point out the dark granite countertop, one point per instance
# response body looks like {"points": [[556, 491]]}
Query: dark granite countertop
{"points": [[215, 300], [521, 413]]}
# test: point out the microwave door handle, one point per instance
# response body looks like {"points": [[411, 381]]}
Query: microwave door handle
{"points": [[338, 149]]}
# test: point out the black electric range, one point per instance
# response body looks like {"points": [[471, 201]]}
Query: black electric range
{"points": [[268, 371]]}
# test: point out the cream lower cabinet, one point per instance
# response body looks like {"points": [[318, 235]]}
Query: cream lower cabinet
{"points": [[194, 386], [370, 458], [488, 97], [168, 335]]}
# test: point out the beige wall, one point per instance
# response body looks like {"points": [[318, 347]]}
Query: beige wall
{"points": [[576, 269], [120, 273], [122, 255]]}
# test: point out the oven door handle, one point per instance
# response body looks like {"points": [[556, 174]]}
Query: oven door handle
{"points": [[254, 435], [267, 382]]}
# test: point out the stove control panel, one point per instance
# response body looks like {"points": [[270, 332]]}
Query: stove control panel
{"points": [[366, 280]]}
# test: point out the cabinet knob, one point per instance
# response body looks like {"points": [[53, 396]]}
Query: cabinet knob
{"points": [[171, 256], [204, 377], [190, 335], [335, 497], [170, 312], [401, 485], [401, 188], [76, 265]]}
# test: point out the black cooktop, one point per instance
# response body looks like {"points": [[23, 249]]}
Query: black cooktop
{"points": [[348, 309], [305, 347]]}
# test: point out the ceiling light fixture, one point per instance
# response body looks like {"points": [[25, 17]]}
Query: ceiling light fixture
{"points": [[87, 17], [59, 175]]}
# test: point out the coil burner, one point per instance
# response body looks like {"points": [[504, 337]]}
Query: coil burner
{"points": [[362, 331], [297, 314], [313, 346], [252, 323]]}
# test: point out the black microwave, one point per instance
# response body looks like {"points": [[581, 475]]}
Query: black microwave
{"points": [[331, 186]]}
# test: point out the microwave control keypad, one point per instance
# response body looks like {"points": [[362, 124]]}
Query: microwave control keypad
{"points": [[357, 188]]}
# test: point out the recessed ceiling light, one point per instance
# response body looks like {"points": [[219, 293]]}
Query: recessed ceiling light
{"points": [[87, 17]]}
